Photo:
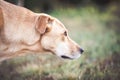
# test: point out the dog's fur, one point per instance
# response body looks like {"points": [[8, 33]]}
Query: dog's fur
{"points": [[23, 31]]}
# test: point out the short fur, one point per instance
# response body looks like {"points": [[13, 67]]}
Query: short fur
{"points": [[23, 31]]}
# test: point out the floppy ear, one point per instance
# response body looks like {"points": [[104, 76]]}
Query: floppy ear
{"points": [[1, 19], [42, 23]]}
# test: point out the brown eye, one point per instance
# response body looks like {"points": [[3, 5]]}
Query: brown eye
{"points": [[65, 33]]}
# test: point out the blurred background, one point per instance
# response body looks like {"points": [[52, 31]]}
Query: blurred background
{"points": [[93, 24]]}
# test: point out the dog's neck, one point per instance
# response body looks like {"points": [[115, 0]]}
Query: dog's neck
{"points": [[25, 49]]}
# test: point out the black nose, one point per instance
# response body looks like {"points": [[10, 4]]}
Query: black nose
{"points": [[81, 50]]}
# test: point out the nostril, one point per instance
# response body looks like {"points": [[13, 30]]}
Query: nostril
{"points": [[81, 50]]}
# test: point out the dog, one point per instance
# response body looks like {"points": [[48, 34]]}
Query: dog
{"points": [[23, 31]]}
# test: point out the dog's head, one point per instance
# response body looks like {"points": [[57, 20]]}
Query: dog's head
{"points": [[55, 38]]}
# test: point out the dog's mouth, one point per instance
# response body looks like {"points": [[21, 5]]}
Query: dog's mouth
{"points": [[65, 57]]}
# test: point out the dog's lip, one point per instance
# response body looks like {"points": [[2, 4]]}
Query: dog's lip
{"points": [[66, 57], [70, 57]]}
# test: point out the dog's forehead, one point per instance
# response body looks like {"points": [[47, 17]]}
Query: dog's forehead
{"points": [[58, 24]]}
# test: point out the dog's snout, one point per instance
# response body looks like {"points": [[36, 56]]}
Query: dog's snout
{"points": [[81, 50]]}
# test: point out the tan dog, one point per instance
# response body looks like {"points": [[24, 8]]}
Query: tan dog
{"points": [[23, 31]]}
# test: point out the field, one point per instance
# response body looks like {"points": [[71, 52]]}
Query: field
{"points": [[95, 31]]}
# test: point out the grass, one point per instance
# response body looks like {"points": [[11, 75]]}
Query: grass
{"points": [[88, 27]]}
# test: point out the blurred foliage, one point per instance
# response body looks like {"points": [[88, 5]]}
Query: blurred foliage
{"points": [[95, 29], [49, 5]]}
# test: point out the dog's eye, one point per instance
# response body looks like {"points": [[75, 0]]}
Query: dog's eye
{"points": [[65, 33]]}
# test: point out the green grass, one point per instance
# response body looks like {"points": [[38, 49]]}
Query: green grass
{"points": [[88, 27]]}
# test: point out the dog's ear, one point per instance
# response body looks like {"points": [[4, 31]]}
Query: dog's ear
{"points": [[1, 19], [42, 23]]}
